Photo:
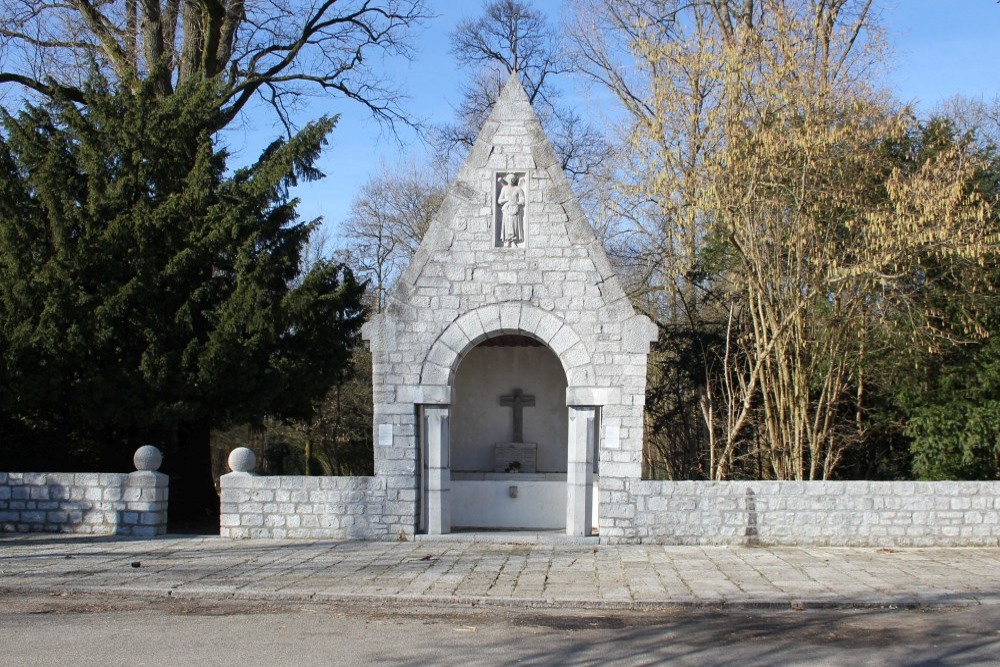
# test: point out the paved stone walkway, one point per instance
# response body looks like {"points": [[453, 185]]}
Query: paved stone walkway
{"points": [[498, 572]]}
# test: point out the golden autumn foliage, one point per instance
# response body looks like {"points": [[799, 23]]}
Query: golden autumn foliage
{"points": [[788, 203]]}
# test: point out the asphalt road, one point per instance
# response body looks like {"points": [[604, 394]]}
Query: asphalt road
{"points": [[106, 631]]}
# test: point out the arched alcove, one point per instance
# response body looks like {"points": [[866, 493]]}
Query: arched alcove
{"points": [[483, 410], [476, 326]]}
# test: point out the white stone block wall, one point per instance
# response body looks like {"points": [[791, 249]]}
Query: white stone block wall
{"points": [[307, 507], [460, 289], [90, 503], [855, 513]]}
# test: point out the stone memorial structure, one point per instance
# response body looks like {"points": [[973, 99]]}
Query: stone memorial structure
{"points": [[509, 366], [509, 374]]}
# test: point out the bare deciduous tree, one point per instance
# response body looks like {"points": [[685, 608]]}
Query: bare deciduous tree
{"points": [[512, 36], [775, 208], [389, 217], [279, 50]]}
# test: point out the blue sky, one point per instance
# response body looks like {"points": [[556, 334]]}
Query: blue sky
{"points": [[942, 48]]}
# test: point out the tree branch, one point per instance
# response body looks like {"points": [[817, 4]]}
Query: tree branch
{"points": [[49, 90]]}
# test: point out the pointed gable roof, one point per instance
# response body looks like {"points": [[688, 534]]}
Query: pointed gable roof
{"points": [[461, 265], [526, 149]]}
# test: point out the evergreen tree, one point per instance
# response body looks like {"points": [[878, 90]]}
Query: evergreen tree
{"points": [[146, 295], [950, 395]]}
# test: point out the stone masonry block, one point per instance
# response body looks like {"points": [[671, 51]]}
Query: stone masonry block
{"points": [[471, 325], [577, 355], [530, 318], [262, 495], [111, 479], [490, 318], [510, 317], [441, 355], [548, 326], [33, 517], [455, 338], [563, 340], [153, 518], [542, 155], [435, 374]]}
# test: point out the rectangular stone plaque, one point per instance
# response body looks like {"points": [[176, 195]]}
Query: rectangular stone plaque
{"points": [[385, 435], [612, 436], [515, 457]]}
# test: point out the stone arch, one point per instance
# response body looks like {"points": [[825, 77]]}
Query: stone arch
{"points": [[475, 326]]}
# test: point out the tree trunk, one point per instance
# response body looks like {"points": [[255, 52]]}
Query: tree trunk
{"points": [[307, 454]]}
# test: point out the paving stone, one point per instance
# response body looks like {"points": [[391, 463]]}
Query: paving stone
{"points": [[533, 575]]}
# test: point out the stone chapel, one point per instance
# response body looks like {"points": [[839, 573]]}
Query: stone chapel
{"points": [[509, 366]]}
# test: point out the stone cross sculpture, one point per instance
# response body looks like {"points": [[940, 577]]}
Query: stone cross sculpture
{"points": [[518, 401]]}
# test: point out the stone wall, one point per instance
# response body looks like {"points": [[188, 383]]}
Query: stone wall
{"points": [[875, 514], [95, 503], [306, 507], [857, 514]]}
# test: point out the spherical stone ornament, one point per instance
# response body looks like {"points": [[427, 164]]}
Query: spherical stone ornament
{"points": [[147, 458], [242, 459]]}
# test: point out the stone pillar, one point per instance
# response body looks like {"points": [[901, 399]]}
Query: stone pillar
{"points": [[145, 496], [437, 468], [580, 470], [235, 492]]}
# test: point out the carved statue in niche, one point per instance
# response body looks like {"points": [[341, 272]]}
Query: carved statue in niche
{"points": [[511, 202]]}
